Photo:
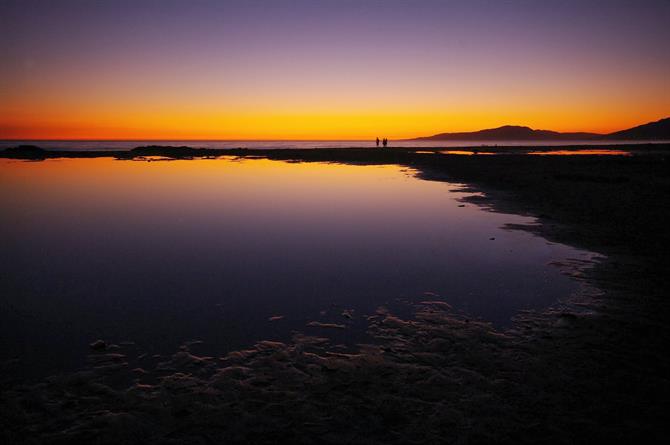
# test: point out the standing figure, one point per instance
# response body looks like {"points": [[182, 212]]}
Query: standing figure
{"points": [[377, 141], [385, 141]]}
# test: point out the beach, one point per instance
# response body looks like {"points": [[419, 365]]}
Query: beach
{"points": [[591, 368]]}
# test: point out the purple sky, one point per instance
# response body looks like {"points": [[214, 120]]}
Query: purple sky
{"points": [[328, 68]]}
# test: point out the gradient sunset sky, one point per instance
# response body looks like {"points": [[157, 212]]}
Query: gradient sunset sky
{"points": [[320, 69]]}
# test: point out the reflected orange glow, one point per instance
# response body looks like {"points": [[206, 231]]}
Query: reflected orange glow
{"points": [[581, 152], [233, 186], [240, 180], [466, 152]]}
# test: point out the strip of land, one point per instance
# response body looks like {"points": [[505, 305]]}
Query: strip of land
{"points": [[348, 153]]}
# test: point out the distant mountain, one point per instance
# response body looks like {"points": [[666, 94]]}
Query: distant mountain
{"points": [[659, 130], [510, 133]]}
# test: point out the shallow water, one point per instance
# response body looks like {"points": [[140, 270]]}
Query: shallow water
{"points": [[162, 252], [581, 152]]}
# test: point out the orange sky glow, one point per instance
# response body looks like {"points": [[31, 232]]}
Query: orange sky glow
{"points": [[333, 72]]}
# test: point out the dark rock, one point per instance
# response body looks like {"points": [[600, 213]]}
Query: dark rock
{"points": [[98, 345], [25, 152]]}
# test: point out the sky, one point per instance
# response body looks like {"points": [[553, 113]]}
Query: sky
{"points": [[320, 69]]}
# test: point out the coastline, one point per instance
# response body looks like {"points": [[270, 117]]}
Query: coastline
{"points": [[337, 153], [596, 372]]}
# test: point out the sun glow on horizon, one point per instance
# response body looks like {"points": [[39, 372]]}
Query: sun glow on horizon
{"points": [[327, 70], [306, 126]]}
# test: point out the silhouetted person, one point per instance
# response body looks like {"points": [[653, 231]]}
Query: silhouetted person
{"points": [[377, 141], [385, 141]]}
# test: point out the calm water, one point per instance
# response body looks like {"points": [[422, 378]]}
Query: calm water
{"points": [[127, 145], [162, 252]]}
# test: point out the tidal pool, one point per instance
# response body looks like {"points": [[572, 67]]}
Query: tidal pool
{"points": [[234, 251]]}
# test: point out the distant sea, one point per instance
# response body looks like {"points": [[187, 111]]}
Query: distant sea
{"points": [[92, 145]]}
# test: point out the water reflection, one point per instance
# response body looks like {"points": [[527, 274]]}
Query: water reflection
{"points": [[160, 252], [599, 152], [466, 152], [570, 152]]}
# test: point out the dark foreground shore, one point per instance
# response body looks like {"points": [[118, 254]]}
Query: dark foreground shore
{"points": [[592, 370]]}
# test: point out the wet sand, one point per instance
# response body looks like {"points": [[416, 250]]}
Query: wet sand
{"points": [[593, 368]]}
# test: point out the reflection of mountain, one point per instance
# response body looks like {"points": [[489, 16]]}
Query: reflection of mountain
{"points": [[653, 130]]}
